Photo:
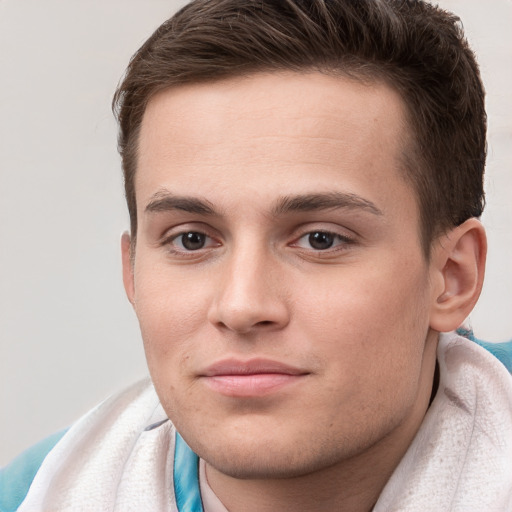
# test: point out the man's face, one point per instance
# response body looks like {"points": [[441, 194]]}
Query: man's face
{"points": [[279, 280]]}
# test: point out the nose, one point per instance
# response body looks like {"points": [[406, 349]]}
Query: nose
{"points": [[250, 295]]}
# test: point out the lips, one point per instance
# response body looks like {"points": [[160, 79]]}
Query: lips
{"points": [[253, 378]]}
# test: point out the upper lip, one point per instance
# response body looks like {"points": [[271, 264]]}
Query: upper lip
{"points": [[250, 367]]}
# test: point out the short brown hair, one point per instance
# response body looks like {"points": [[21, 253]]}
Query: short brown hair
{"points": [[417, 48]]}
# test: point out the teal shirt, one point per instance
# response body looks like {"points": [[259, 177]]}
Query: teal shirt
{"points": [[16, 478]]}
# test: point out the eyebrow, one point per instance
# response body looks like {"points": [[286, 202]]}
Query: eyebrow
{"points": [[328, 201], [164, 201]]}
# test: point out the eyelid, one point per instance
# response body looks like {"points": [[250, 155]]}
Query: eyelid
{"points": [[180, 235], [344, 238], [172, 234], [324, 227]]}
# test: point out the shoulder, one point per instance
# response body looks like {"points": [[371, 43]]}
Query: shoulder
{"points": [[502, 351], [16, 478]]}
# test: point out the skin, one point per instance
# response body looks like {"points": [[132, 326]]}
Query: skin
{"points": [[357, 321]]}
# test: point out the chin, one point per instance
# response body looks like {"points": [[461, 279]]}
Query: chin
{"points": [[282, 457], [267, 464]]}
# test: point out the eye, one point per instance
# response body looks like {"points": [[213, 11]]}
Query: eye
{"points": [[321, 240], [190, 241]]}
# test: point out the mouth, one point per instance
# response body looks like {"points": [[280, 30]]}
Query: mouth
{"points": [[253, 378]]}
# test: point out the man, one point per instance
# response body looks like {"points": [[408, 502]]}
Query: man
{"points": [[304, 181]]}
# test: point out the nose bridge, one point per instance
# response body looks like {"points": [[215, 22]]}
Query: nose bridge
{"points": [[249, 294]]}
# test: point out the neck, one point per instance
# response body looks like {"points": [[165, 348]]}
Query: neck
{"points": [[352, 485]]}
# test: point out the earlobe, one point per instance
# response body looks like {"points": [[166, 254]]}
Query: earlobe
{"points": [[459, 265], [128, 278]]}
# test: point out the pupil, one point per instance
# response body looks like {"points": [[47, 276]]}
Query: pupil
{"points": [[320, 240], [193, 241]]}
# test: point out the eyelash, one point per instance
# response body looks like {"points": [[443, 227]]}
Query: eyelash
{"points": [[339, 242], [169, 241]]}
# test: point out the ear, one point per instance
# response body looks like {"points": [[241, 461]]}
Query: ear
{"points": [[128, 277], [458, 260]]}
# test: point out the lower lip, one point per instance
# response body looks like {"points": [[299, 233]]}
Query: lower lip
{"points": [[252, 385]]}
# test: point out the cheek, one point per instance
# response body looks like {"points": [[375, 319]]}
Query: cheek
{"points": [[172, 317], [366, 298], [170, 313], [370, 320]]}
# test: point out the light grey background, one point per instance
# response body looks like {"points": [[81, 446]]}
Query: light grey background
{"points": [[68, 336]]}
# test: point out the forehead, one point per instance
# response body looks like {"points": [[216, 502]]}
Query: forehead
{"points": [[269, 132]]}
